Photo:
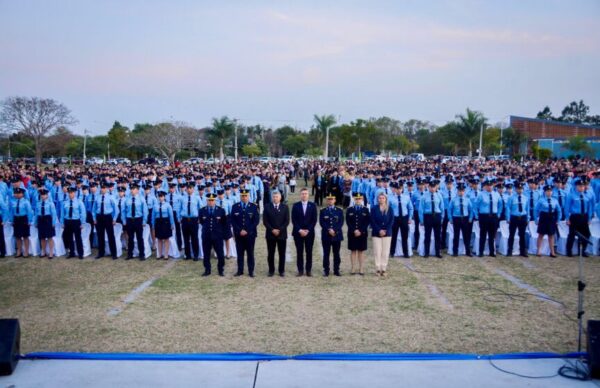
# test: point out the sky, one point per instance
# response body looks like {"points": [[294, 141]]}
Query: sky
{"points": [[280, 62]]}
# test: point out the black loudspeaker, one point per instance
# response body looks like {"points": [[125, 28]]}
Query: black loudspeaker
{"points": [[10, 345], [593, 348]]}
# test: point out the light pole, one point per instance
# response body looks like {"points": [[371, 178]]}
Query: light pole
{"points": [[480, 140], [84, 144]]}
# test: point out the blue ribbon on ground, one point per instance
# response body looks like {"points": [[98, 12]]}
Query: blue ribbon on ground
{"points": [[276, 357]]}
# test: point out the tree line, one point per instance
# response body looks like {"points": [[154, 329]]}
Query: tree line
{"points": [[41, 127]]}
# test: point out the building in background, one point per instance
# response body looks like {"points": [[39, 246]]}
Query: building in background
{"points": [[553, 135]]}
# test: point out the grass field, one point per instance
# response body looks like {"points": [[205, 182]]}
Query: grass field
{"points": [[450, 305]]}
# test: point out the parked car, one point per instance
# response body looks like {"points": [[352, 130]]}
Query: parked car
{"points": [[417, 157], [50, 160], [147, 161], [193, 161]]}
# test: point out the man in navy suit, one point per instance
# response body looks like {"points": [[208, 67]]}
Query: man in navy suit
{"points": [[304, 219], [244, 220]]}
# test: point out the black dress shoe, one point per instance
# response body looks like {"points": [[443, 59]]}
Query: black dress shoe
{"points": [[142, 259], [454, 255], [186, 258], [251, 275], [70, 256], [282, 274], [480, 255], [524, 255], [114, 257], [551, 255], [270, 274], [426, 256], [469, 255], [80, 257], [509, 254], [196, 259], [406, 256], [206, 274], [337, 274], [299, 274], [439, 256], [129, 258], [325, 274], [99, 257], [585, 254], [493, 255], [221, 274], [238, 274], [309, 274]]}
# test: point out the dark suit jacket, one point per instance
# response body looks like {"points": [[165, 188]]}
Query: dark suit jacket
{"points": [[300, 221], [276, 219]]}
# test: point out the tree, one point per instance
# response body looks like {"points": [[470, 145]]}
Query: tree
{"points": [[401, 144], [118, 139], [491, 141], [323, 124], [513, 139], [575, 112], [35, 117], [56, 143], [251, 150], [168, 138], [545, 114], [468, 127], [577, 145], [222, 130], [296, 144]]}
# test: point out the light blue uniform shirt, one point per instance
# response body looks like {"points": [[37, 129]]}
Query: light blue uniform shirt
{"points": [[190, 206], [141, 209], [78, 212], [162, 210], [460, 207], [49, 210], [427, 201], [484, 206], [512, 206], [21, 207], [542, 205], [573, 205], [110, 206]]}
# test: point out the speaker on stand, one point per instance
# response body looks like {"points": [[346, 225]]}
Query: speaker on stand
{"points": [[10, 345]]}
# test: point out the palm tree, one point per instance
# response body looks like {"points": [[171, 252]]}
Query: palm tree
{"points": [[468, 127], [323, 124], [222, 129]]}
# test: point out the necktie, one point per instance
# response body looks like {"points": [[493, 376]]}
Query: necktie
{"points": [[56, 196], [432, 209], [277, 207], [491, 204], [189, 205], [520, 205], [133, 207], [582, 206], [93, 200], [71, 209], [102, 205], [560, 203], [160, 210], [171, 200], [462, 210], [549, 206], [43, 209], [18, 203], [399, 205], [119, 204]]}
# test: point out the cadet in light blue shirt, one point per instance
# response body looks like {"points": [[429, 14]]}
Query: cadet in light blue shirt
{"points": [[134, 219], [460, 212], [487, 209], [45, 221], [72, 216], [547, 214], [431, 209], [21, 216]]}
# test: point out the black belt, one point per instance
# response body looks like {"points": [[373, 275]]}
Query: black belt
{"points": [[134, 218]]}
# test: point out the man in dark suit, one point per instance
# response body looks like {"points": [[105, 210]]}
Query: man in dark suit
{"points": [[276, 218], [244, 220], [214, 221], [319, 186], [334, 186], [304, 219]]}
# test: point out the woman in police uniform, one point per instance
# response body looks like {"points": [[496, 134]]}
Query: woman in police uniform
{"points": [[45, 220], [163, 225], [547, 214], [21, 218], [357, 219]]}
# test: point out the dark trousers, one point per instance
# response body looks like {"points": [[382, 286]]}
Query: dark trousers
{"points": [[72, 229], [461, 225], [245, 245], [209, 243], [329, 246], [135, 227], [178, 237], [304, 244], [189, 228], [579, 223], [2, 242], [104, 223], [488, 226], [417, 233], [400, 224], [432, 222], [319, 197], [280, 244], [293, 189], [444, 235], [517, 223]]}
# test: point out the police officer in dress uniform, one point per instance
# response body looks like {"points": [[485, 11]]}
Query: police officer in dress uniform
{"points": [[487, 207], [72, 216], [105, 213], [244, 220], [579, 211], [214, 222], [460, 214], [135, 218], [517, 215], [188, 218], [331, 220], [45, 221], [358, 220], [431, 208]]}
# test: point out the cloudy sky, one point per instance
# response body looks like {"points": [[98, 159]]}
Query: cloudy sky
{"points": [[280, 62]]}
